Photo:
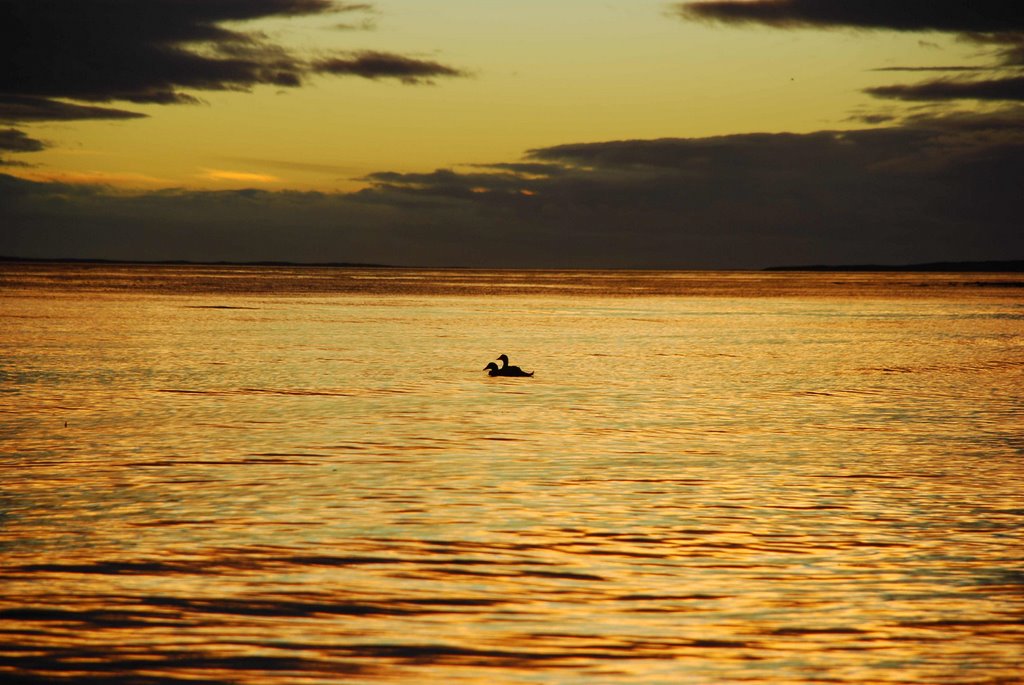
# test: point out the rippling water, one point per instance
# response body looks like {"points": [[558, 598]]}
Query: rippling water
{"points": [[242, 475]]}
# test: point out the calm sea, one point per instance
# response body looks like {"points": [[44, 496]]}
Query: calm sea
{"points": [[274, 475]]}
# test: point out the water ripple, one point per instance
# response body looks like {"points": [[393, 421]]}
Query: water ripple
{"points": [[817, 486]]}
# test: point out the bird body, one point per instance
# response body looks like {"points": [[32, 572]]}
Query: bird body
{"points": [[493, 369]]}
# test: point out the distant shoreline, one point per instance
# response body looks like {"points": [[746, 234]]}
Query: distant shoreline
{"points": [[1005, 266], [187, 262]]}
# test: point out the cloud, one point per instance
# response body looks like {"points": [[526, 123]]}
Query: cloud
{"points": [[934, 188], [993, 22], [375, 65], [142, 52], [1009, 45], [525, 168], [367, 24], [444, 183], [69, 219], [904, 193], [15, 108], [1005, 89], [982, 16], [99, 179], [238, 176], [872, 117], [364, 25], [12, 140], [292, 165], [945, 68], [158, 52]]}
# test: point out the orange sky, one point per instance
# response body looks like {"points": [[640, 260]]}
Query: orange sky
{"points": [[634, 133], [537, 74]]}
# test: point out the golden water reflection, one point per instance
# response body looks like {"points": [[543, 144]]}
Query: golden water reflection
{"points": [[817, 482]]}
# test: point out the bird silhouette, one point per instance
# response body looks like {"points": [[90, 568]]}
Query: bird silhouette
{"points": [[507, 370]]}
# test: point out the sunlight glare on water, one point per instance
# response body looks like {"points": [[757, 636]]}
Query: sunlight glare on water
{"points": [[274, 475]]}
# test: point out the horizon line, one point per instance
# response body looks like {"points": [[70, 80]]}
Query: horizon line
{"points": [[991, 266]]}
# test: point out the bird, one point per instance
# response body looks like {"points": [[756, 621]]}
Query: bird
{"points": [[507, 370], [493, 370]]}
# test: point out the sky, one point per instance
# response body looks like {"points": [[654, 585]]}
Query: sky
{"points": [[478, 133]]}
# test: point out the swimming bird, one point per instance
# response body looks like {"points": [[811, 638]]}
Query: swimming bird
{"points": [[507, 370], [492, 369]]}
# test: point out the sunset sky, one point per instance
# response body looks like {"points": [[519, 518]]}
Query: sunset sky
{"points": [[567, 133]]}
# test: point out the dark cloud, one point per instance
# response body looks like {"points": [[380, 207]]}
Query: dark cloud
{"points": [[946, 68], [525, 168], [1007, 121], [930, 189], [1009, 45], [1004, 89], [448, 184], [872, 118], [981, 16], [374, 65], [15, 108], [250, 225], [364, 25], [367, 24], [896, 194], [144, 52], [994, 22], [1013, 55], [12, 140], [156, 52]]}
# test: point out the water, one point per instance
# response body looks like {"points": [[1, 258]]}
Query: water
{"points": [[240, 475]]}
